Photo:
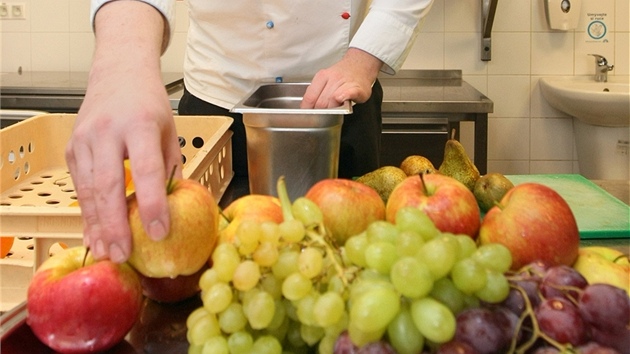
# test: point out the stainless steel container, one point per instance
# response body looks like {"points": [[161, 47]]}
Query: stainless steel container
{"points": [[283, 140]]}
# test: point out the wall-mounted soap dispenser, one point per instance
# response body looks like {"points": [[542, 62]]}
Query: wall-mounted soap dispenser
{"points": [[563, 14]]}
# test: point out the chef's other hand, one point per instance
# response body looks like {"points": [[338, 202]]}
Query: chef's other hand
{"points": [[350, 79], [125, 114]]}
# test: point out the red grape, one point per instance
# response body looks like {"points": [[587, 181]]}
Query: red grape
{"points": [[344, 345], [480, 328], [595, 348], [559, 280], [456, 347], [560, 319], [619, 340], [605, 307]]}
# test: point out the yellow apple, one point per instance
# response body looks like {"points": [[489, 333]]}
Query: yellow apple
{"points": [[604, 265], [192, 236], [257, 207]]}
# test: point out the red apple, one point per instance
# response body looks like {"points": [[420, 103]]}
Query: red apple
{"points": [[172, 290], [348, 206], [192, 237], [257, 207], [535, 223], [82, 308], [449, 203]]}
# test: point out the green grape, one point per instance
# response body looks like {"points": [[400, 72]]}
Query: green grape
{"points": [[294, 337], [204, 328], [468, 275], [447, 293], [414, 219], [310, 262], [208, 278], [292, 230], [336, 284], [467, 246], [259, 310], [380, 256], [217, 298], [328, 309], [279, 315], [305, 306], [296, 286], [496, 289], [408, 243], [232, 319], [225, 259], [403, 334], [374, 309], [307, 212], [341, 325], [266, 345], [272, 285], [195, 349], [381, 231], [286, 265], [327, 344], [215, 345], [279, 330], [266, 254], [494, 256], [355, 249], [290, 310], [433, 319], [439, 254], [361, 338], [270, 232], [311, 334], [247, 236], [240, 342], [246, 275], [195, 315], [411, 277]]}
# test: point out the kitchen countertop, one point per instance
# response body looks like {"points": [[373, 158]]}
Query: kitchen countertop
{"points": [[431, 91]]}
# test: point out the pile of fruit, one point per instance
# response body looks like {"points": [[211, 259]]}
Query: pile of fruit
{"points": [[348, 268]]}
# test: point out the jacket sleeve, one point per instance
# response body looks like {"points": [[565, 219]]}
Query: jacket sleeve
{"points": [[390, 29], [165, 7]]}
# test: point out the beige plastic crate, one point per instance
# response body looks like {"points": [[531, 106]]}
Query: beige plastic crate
{"points": [[36, 188]]}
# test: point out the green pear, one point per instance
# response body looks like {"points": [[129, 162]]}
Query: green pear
{"points": [[490, 189], [383, 180], [457, 164]]}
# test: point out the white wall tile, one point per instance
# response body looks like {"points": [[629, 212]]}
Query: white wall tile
{"points": [[462, 16], [173, 59], [539, 17], [551, 139], [50, 51], [552, 53], [509, 167], [81, 49], [547, 167], [49, 16], [508, 138], [463, 51], [510, 95], [513, 16], [510, 54], [434, 21], [79, 12], [16, 52], [622, 54], [427, 52], [622, 15]]}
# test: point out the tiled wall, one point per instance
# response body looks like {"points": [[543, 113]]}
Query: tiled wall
{"points": [[526, 135]]}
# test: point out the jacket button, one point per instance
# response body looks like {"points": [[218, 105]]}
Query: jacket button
{"points": [[345, 15], [269, 24]]}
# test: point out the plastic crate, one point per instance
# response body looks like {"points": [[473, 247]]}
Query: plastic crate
{"points": [[36, 188]]}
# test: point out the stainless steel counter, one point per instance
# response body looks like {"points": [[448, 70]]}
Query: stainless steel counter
{"points": [[57, 91]]}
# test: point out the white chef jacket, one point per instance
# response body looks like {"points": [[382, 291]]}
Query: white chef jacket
{"points": [[233, 45]]}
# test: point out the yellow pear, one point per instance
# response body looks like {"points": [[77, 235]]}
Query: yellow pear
{"points": [[604, 265], [383, 180], [458, 165], [417, 164]]}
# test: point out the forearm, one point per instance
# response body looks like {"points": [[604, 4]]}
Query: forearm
{"points": [[129, 36]]}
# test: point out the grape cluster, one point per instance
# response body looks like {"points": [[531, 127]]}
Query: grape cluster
{"points": [[287, 287], [548, 310]]}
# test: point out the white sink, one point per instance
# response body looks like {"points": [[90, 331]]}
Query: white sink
{"points": [[596, 103]]}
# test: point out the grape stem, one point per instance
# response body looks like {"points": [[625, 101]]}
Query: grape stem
{"points": [[285, 201]]}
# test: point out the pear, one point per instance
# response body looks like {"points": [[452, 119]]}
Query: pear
{"points": [[490, 189], [383, 180], [417, 164], [457, 164]]}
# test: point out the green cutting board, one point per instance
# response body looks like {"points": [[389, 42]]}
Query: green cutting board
{"points": [[599, 215]]}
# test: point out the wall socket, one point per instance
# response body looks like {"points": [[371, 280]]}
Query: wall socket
{"points": [[12, 11]]}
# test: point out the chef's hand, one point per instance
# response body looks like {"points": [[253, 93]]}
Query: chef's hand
{"points": [[350, 79], [125, 114]]}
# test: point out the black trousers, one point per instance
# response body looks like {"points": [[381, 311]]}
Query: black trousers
{"points": [[360, 134]]}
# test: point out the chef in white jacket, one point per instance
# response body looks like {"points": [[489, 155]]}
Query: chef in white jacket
{"points": [[339, 45]]}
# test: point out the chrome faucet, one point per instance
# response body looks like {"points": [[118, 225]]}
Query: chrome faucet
{"points": [[601, 68]]}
